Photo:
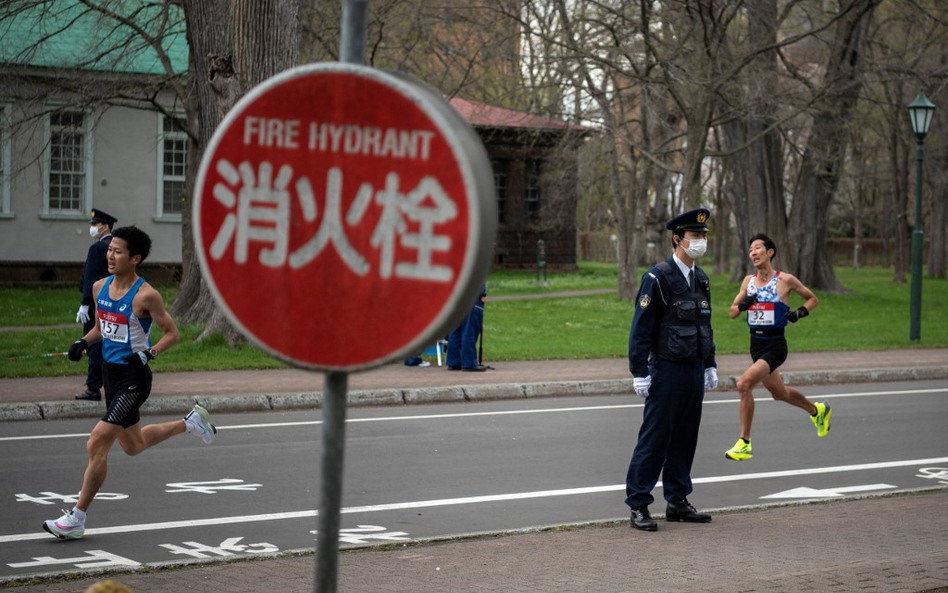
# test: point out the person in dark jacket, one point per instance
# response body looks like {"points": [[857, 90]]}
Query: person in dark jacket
{"points": [[462, 342], [96, 268], [671, 357]]}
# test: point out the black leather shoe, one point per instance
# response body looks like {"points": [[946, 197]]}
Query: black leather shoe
{"points": [[681, 510], [89, 395], [478, 369], [454, 368], [642, 519]]}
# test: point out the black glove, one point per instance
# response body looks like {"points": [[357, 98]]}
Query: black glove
{"points": [[140, 358], [745, 304], [800, 313], [76, 350]]}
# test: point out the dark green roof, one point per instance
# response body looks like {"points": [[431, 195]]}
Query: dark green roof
{"points": [[65, 34]]}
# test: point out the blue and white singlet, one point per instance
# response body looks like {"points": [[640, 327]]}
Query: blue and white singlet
{"points": [[769, 312], [122, 332]]}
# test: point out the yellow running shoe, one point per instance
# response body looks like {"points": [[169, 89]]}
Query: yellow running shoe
{"points": [[822, 419], [740, 451]]}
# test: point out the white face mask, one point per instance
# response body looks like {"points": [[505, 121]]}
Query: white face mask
{"points": [[94, 231], [696, 248]]}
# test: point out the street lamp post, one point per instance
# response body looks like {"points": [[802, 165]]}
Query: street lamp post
{"points": [[920, 114]]}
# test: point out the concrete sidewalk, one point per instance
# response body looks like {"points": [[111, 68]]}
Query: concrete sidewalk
{"points": [[867, 545], [396, 384]]}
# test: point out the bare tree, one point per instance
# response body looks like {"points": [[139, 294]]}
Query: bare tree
{"points": [[99, 74], [823, 158], [466, 48]]}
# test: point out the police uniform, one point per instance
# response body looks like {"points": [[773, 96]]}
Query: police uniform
{"points": [[672, 342], [95, 268]]}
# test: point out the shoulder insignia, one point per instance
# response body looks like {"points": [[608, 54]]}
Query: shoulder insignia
{"points": [[645, 301]]}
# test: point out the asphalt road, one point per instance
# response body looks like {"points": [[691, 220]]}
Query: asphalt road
{"points": [[438, 471]]}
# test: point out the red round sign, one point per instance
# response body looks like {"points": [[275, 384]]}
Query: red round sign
{"points": [[344, 216]]}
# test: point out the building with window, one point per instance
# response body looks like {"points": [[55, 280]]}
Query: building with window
{"points": [[82, 128], [535, 178], [86, 121]]}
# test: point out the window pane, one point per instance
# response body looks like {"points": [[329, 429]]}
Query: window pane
{"points": [[175, 157], [173, 192], [67, 162], [174, 161], [500, 186], [532, 189]]}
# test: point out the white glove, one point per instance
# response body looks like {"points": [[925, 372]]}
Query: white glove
{"points": [[641, 385], [82, 316], [710, 378]]}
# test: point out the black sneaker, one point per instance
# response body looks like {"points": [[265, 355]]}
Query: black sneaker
{"points": [[89, 395]]}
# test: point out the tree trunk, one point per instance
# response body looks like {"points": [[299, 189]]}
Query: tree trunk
{"points": [[938, 213], [935, 230], [895, 201], [234, 45], [756, 193], [823, 158]]}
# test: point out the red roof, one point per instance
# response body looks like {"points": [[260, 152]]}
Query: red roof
{"points": [[480, 114]]}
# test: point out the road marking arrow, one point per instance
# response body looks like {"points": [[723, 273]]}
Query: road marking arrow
{"points": [[804, 492]]}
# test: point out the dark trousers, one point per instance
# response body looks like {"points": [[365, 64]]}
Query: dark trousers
{"points": [[94, 352], [462, 342], [669, 433]]}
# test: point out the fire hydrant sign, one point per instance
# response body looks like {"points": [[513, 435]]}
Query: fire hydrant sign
{"points": [[343, 216]]}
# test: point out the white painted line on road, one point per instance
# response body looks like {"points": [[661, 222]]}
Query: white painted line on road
{"points": [[807, 492], [442, 502], [639, 404], [39, 437]]}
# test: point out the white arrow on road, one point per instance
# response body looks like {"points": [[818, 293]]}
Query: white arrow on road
{"points": [[804, 492]]}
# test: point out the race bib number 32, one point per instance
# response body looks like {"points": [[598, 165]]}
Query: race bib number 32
{"points": [[114, 326], [761, 314]]}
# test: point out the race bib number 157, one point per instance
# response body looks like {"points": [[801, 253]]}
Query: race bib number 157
{"points": [[114, 326]]}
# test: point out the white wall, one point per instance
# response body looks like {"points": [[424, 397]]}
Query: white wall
{"points": [[124, 184]]}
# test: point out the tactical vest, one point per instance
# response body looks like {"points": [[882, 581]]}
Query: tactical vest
{"points": [[684, 330]]}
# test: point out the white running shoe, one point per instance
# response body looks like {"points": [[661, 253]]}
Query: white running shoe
{"points": [[66, 527], [198, 422]]}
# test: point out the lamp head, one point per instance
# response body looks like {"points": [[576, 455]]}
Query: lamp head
{"points": [[920, 114]]}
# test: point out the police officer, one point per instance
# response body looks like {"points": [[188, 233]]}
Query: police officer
{"points": [[96, 268], [671, 357]]}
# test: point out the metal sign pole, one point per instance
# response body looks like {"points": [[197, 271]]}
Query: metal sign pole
{"points": [[351, 50], [461, 192], [352, 44], [330, 491]]}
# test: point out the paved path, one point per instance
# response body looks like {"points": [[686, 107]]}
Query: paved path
{"points": [[878, 544]]}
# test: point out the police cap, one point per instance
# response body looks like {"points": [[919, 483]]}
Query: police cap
{"points": [[694, 220], [102, 216]]}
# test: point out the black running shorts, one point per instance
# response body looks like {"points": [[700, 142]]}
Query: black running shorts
{"points": [[126, 389], [773, 350]]}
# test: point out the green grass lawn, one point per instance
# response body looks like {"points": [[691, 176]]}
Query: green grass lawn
{"points": [[872, 315]]}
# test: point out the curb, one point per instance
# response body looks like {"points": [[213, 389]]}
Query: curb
{"points": [[269, 402]]}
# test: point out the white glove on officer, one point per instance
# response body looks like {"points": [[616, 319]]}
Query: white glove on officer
{"points": [[82, 316], [710, 378], [641, 385]]}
